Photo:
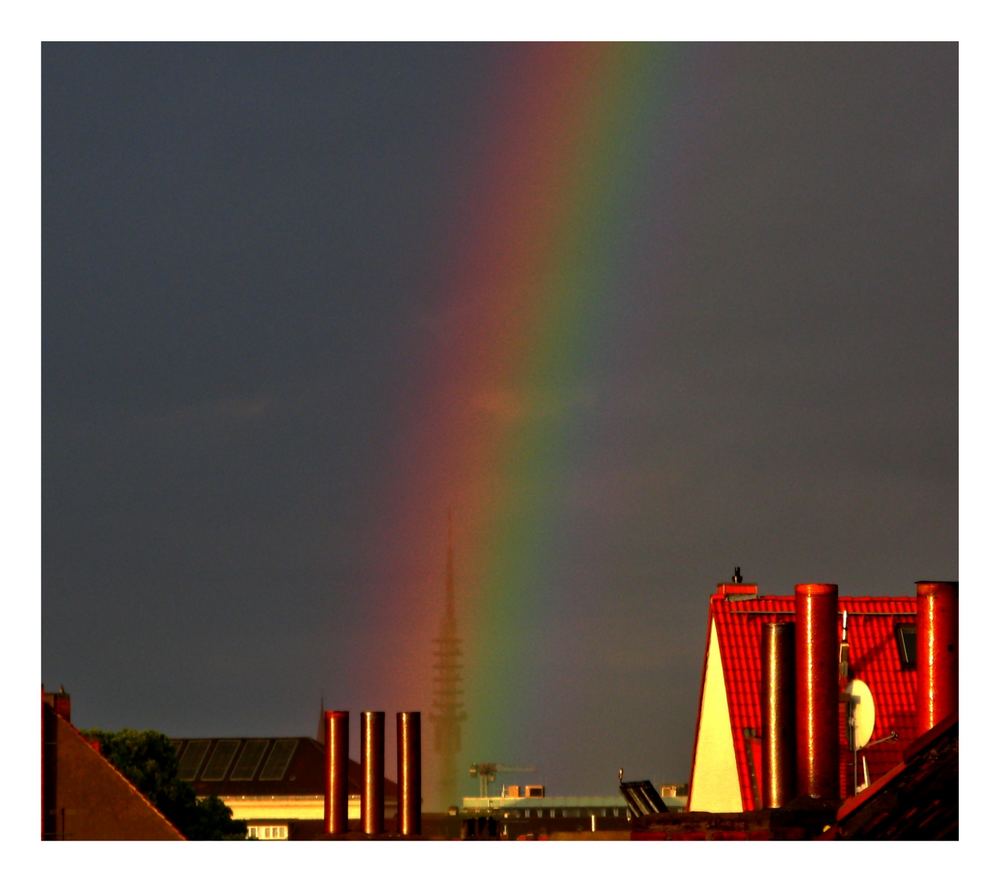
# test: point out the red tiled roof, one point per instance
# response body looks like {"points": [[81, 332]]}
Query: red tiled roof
{"points": [[874, 658], [84, 797]]}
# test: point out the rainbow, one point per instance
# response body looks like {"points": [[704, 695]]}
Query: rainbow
{"points": [[530, 269]]}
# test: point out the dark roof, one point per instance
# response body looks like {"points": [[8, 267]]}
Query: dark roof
{"points": [[917, 799], [253, 766], [739, 614], [791, 823]]}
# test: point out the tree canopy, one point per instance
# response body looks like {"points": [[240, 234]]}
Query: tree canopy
{"points": [[149, 761]]}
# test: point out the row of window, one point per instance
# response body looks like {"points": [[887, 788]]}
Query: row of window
{"points": [[563, 813], [277, 832]]}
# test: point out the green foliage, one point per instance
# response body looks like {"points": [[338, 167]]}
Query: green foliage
{"points": [[214, 820], [149, 761]]}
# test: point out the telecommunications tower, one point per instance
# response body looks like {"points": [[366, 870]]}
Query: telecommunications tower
{"points": [[448, 712]]}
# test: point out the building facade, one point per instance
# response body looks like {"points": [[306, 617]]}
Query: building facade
{"points": [[876, 638], [84, 797], [275, 785]]}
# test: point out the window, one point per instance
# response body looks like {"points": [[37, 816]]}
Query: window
{"points": [[254, 832], [906, 642]]}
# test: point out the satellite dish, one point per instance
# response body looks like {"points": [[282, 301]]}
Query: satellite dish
{"points": [[860, 715]]}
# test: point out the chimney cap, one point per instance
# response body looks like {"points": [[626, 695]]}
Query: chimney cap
{"points": [[926, 588], [816, 588], [743, 589]]}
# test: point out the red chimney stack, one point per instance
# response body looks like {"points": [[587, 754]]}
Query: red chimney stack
{"points": [[937, 652], [408, 771], [778, 712], [373, 772], [816, 691], [335, 731]]}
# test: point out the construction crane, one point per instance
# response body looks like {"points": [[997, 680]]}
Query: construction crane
{"points": [[487, 774]]}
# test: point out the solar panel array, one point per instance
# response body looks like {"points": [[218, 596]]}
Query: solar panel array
{"points": [[277, 763], [191, 760], [234, 759], [249, 759], [220, 760], [642, 798]]}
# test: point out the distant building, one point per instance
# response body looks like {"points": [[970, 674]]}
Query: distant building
{"points": [[674, 790], [83, 795], [275, 785], [517, 813], [878, 648]]}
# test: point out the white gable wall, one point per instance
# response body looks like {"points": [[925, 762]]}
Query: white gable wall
{"points": [[715, 783]]}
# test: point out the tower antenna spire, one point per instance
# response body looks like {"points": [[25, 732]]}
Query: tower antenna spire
{"points": [[450, 573]]}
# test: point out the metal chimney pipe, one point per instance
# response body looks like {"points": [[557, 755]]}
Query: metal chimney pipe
{"points": [[816, 691], [408, 771], [778, 712], [335, 732], [937, 652], [373, 772]]}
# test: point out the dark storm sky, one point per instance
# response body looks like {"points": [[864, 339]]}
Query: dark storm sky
{"points": [[241, 246]]}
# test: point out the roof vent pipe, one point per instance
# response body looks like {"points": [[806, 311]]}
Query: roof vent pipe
{"points": [[408, 771], [373, 772], [335, 736], [816, 691], [778, 712], [937, 652]]}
